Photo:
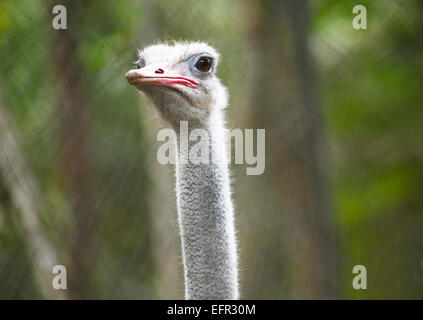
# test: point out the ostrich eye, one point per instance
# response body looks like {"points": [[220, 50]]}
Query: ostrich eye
{"points": [[204, 64], [139, 63]]}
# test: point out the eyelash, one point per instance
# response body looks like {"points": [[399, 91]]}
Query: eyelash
{"points": [[139, 63]]}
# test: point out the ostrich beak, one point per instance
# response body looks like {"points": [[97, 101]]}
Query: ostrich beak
{"points": [[140, 77]]}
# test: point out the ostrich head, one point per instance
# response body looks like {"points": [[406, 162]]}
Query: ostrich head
{"points": [[180, 80]]}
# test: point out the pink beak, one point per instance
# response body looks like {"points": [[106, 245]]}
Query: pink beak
{"points": [[138, 77]]}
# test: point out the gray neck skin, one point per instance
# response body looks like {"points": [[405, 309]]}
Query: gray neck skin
{"points": [[206, 220]]}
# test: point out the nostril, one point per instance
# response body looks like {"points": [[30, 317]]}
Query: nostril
{"points": [[159, 71]]}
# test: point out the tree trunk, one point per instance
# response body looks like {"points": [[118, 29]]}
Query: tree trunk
{"points": [[78, 169], [288, 107], [27, 200]]}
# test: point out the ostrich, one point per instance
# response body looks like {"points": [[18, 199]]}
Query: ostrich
{"points": [[181, 83]]}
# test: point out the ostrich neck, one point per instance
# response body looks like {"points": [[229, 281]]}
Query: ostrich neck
{"points": [[206, 219]]}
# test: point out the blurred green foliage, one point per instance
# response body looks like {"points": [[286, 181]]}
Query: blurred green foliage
{"points": [[371, 91]]}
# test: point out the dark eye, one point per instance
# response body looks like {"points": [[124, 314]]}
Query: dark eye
{"points": [[204, 64], [139, 63]]}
